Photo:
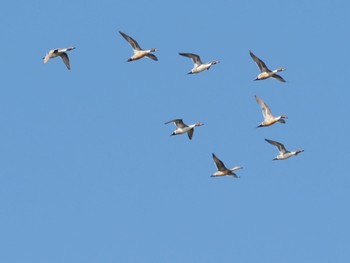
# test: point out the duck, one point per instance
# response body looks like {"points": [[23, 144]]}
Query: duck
{"points": [[222, 170], [265, 71], [199, 66], [269, 119], [138, 51], [283, 152], [182, 128], [59, 52]]}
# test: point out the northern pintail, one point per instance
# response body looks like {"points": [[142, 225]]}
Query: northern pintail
{"points": [[283, 152], [222, 170], [199, 66], [59, 52], [269, 119], [138, 51], [181, 127], [265, 71]]}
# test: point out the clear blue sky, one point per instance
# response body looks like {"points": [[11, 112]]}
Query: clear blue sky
{"points": [[89, 172]]}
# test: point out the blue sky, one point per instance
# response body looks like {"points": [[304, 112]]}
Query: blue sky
{"points": [[89, 172]]}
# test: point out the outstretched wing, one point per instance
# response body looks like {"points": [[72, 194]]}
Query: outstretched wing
{"points": [[219, 164], [265, 109], [190, 134], [46, 58], [195, 58], [278, 77], [262, 66], [279, 145], [131, 41], [65, 59], [151, 56], [178, 122]]}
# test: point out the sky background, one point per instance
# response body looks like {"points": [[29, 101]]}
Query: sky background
{"points": [[89, 173]]}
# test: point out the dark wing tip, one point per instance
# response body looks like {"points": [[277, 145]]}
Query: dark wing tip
{"points": [[153, 57], [278, 77]]}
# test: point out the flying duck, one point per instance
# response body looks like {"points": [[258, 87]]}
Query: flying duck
{"points": [[138, 51], [265, 71], [283, 152], [269, 119], [199, 66], [222, 170], [59, 52], [181, 127]]}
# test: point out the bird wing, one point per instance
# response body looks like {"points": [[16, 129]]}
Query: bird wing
{"points": [[131, 41], [219, 164], [279, 145], [195, 58], [46, 58], [65, 59], [262, 66], [265, 109], [178, 122], [190, 133], [151, 56], [278, 77]]}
